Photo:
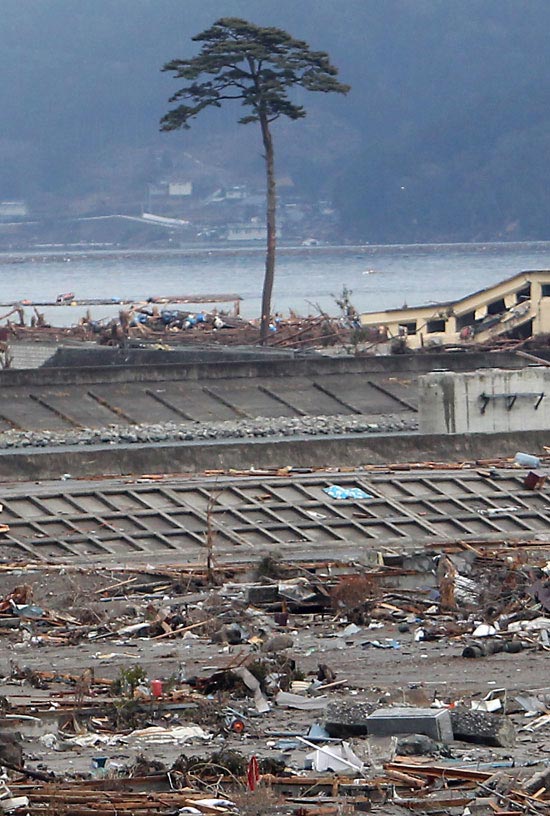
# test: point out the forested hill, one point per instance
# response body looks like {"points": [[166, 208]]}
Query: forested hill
{"points": [[444, 136]]}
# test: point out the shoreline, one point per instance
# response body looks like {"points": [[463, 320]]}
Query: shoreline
{"points": [[86, 253]]}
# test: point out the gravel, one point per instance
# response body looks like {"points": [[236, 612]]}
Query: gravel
{"points": [[259, 427]]}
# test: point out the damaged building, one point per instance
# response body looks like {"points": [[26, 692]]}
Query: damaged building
{"points": [[518, 307]]}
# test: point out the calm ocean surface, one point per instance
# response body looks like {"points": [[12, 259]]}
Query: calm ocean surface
{"points": [[379, 276]]}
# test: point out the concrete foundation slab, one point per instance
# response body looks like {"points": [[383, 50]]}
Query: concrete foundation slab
{"points": [[255, 516]]}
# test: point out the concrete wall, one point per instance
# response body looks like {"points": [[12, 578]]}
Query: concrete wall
{"points": [[488, 401], [30, 355], [315, 365], [91, 356], [302, 452]]}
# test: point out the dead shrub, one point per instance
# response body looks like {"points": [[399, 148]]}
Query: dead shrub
{"points": [[260, 802], [355, 596]]}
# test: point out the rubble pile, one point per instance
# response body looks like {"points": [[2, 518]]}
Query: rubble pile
{"points": [[308, 688], [190, 431], [160, 320]]}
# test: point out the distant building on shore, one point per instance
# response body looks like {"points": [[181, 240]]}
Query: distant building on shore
{"points": [[247, 232], [171, 189], [517, 307]]}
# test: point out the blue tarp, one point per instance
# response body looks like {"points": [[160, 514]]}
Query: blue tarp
{"points": [[339, 492]]}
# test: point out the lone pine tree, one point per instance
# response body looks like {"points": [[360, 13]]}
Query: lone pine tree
{"points": [[258, 66]]}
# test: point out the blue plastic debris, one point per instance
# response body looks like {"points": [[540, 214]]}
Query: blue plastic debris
{"points": [[339, 492], [318, 733], [287, 745], [27, 610], [387, 643]]}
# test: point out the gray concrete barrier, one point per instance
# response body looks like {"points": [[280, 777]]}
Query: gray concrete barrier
{"points": [[487, 401], [398, 364], [300, 452]]}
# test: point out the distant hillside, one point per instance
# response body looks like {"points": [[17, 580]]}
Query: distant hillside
{"points": [[445, 135]]}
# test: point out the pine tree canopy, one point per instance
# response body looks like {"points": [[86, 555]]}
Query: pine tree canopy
{"points": [[258, 66]]}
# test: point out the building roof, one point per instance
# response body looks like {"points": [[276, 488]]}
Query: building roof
{"points": [[519, 276]]}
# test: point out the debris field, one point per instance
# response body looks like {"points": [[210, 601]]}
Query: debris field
{"points": [[283, 642]]}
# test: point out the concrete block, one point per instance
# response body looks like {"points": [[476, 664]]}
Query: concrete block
{"points": [[419, 745], [539, 780], [485, 401], [347, 719], [260, 594], [432, 722], [10, 748], [482, 728]]}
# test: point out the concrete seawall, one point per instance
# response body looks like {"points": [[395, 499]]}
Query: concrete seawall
{"points": [[196, 457], [65, 399], [402, 364]]}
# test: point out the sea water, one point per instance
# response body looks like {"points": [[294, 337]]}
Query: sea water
{"points": [[308, 280]]}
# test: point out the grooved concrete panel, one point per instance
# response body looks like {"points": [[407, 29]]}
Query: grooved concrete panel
{"points": [[254, 516], [102, 403], [255, 398], [77, 406], [21, 411]]}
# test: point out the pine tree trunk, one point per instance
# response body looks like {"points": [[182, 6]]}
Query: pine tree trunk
{"points": [[271, 196]]}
